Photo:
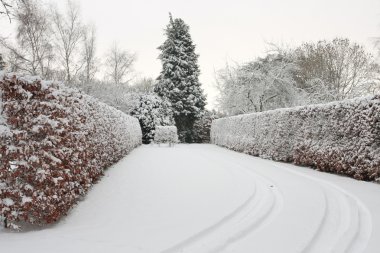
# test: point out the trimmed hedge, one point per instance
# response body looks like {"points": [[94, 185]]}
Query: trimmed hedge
{"points": [[340, 137], [55, 144], [166, 134]]}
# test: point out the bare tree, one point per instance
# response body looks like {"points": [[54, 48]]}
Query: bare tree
{"points": [[68, 30], [344, 68], [119, 64], [264, 84], [89, 54], [33, 52], [143, 85]]}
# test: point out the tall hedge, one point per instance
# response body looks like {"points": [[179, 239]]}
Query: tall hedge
{"points": [[55, 144], [339, 137]]}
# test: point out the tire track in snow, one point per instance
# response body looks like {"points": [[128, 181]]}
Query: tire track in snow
{"points": [[264, 203], [346, 224]]}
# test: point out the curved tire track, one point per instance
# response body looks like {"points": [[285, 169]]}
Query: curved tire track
{"points": [[344, 226], [264, 203]]}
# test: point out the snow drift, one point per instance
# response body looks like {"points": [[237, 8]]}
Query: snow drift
{"points": [[55, 144], [339, 137]]}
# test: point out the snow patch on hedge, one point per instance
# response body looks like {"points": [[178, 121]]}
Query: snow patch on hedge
{"points": [[339, 137], [55, 143]]}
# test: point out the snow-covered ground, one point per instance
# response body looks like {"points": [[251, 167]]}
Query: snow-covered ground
{"points": [[203, 198]]}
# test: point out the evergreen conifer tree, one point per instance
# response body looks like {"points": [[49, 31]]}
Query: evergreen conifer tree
{"points": [[179, 79]]}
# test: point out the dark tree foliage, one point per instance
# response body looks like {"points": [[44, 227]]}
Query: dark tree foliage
{"points": [[202, 126], [2, 63]]}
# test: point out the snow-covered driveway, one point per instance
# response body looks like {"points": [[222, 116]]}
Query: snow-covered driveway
{"points": [[203, 198]]}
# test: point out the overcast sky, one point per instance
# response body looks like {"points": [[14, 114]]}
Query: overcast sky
{"points": [[233, 30]]}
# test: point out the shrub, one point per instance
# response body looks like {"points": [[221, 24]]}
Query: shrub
{"points": [[339, 137], [152, 111], [166, 134], [55, 144]]}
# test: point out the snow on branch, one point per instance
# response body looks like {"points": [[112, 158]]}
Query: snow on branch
{"points": [[5, 9]]}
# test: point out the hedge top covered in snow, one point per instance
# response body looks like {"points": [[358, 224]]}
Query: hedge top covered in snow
{"points": [[56, 144], [166, 134], [341, 137]]}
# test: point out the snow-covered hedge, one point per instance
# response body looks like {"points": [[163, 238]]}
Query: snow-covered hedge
{"points": [[339, 137], [55, 143], [166, 134]]}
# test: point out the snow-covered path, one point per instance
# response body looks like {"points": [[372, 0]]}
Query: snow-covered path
{"points": [[203, 198]]}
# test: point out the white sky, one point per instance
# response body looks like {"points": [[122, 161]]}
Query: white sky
{"points": [[233, 30]]}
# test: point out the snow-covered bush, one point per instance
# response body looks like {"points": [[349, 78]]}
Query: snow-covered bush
{"points": [[55, 144], [152, 111], [339, 137], [166, 134]]}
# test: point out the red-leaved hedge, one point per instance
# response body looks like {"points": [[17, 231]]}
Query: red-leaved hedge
{"points": [[339, 137], [55, 144]]}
